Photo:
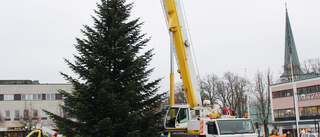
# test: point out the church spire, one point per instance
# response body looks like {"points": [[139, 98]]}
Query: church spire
{"points": [[290, 50]]}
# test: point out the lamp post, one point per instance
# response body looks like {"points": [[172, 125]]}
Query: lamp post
{"points": [[295, 98], [315, 124], [248, 105]]}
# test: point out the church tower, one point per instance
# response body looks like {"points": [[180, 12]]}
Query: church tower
{"points": [[290, 55]]}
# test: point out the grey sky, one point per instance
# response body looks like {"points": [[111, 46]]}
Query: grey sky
{"points": [[227, 35]]}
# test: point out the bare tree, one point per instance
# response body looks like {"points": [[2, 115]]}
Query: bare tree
{"points": [[311, 66], [262, 95], [179, 95], [242, 89], [231, 79], [30, 116], [236, 88], [208, 88], [2, 119], [222, 93]]}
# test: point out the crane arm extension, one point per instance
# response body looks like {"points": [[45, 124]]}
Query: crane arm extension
{"points": [[188, 78]]}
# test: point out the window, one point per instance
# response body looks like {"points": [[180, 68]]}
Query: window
{"points": [[43, 114], [35, 134], [293, 112], [281, 113], [58, 96], [16, 114], [35, 113], [183, 115], [275, 95], [170, 118], [17, 96], [287, 113], [313, 111], [31, 97], [309, 111], [7, 114], [304, 90], [312, 89], [302, 111], [28, 96], [23, 96], [51, 96], [34, 96], [212, 128], [276, 113], [26, 113], [228, 127], [281, 94], [288, 93], [8, 97], [39, 97], [299, 91]]}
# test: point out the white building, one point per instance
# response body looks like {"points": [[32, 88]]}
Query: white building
{"points": [[22, 103]]}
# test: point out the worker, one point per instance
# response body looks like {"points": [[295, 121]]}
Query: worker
{"points": [[283, 135], [289, 134], [274, 133], [162, 135]]}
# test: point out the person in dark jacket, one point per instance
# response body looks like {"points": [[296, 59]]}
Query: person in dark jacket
{"points": [[289, 134], [274, 132]]}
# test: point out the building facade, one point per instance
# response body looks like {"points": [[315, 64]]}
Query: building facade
{"points": [[22, 103], [283, 113], [306, 87]]}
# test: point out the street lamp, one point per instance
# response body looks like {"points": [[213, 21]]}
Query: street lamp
{"points": [[248, 105], [295, 98]]}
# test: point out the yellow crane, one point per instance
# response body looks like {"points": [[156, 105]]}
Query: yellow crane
{"points": [[194, 118]]}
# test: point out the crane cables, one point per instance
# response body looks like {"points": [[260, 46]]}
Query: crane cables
{"points": [[189, 35]]}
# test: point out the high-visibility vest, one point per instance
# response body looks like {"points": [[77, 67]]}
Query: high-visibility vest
{"points": [[283, 135]]}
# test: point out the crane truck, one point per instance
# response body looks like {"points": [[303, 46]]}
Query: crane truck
{"points": [[196, 118], [41, 131]]}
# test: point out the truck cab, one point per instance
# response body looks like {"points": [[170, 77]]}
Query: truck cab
{"points": [[241, 127], [177, 118]]}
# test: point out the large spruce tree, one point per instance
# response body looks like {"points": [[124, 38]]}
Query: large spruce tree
{"points": [[113, 95]]}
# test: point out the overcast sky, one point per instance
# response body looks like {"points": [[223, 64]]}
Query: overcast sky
{"points": [[227, 35]]}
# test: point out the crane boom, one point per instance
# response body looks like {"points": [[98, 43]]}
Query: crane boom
{"points": [[176, 25], [195, 119]]}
